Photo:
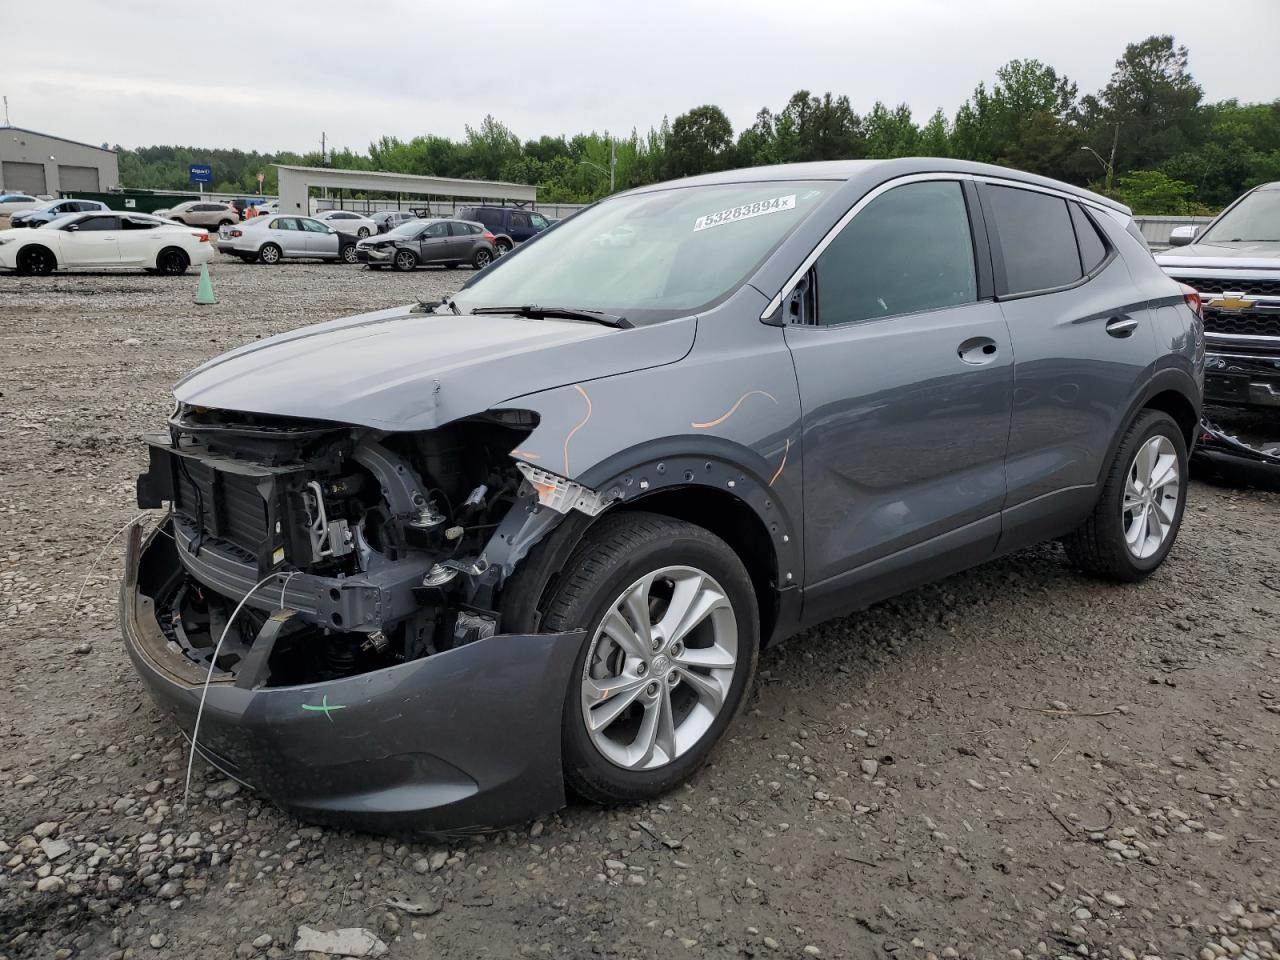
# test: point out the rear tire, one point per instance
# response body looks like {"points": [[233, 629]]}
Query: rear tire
{"points": [[1139, 512], [36, 261], [362, 232], [503, 246], [270, 253], [482, 259], [683, 685], [172, 262], [405, 260]]}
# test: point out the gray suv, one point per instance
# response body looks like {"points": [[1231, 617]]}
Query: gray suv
{"points": [[427, 568]]}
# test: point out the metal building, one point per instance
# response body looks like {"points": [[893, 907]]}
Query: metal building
{"points": [[37, 163], [296, 184]]}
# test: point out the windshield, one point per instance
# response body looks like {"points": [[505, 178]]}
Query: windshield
{"points": [[1256, 217], [654, 255]]}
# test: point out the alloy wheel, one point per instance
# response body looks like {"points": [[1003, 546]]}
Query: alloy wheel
{"points": [[38, 261], [659, 668], [1151, 491]]}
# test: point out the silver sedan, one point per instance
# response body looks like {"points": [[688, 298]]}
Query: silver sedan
{"points": [[272, 239]]}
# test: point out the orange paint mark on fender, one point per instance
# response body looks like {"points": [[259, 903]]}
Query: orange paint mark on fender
{"points": [[525, 454], [783, 465], [578, 387], [732, 410]]}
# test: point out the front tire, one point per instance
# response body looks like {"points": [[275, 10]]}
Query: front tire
{"points": [[37, 261], [270, 253], [405, 260], [1139, 512], [672, 640], [362, 232], [349, 254]]}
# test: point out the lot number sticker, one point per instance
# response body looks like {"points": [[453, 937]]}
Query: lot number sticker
{"points": [[745, 212]]}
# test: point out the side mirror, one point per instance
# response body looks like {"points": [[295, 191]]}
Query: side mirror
{"points": [[1181, 236], [72, 227]]}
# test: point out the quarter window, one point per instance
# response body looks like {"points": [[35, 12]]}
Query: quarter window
{"points": [[1037, 240], [1093, 249], [908, 250]]}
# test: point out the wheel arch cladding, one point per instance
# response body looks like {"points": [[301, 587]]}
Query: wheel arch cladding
{"points": [[735, 522], [1176, 405]]}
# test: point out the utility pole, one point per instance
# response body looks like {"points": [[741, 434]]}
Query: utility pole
{"points": [[6, 111], [1111, 166], [613, 161]]}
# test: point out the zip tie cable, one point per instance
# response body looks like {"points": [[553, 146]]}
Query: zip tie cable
{"points": [[213, 662]]}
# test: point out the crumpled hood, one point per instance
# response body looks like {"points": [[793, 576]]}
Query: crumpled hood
{"points": [[1256, 255], [397, 370]]}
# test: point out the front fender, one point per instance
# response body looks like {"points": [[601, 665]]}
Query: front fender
{"points": [[728, 422]]}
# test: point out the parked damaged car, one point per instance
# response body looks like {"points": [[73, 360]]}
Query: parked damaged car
{"points": [[437, 564]]}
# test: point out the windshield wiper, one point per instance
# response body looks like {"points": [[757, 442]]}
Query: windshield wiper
{"points": [[534, 312]]}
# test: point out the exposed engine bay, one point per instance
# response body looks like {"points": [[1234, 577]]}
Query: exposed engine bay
{"points": [[352, 549]]}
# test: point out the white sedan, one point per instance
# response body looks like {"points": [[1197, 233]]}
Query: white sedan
{"points": [[105, 240], [348, 222]]}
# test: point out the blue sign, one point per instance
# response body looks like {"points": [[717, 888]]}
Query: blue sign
{"points": [[201, 173]]}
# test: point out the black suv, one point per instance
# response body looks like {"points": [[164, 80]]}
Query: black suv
{"points": [[510, 225]]}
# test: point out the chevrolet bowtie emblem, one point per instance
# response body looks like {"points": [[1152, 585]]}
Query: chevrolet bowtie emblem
{"points": [[1230, 300]]}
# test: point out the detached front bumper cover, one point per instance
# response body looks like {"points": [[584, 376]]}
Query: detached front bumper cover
{"points": [[464, 740], [1228, 452]]}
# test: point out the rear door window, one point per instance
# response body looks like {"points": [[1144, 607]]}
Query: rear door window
{"points": [[908, 250], [1036, 239]]}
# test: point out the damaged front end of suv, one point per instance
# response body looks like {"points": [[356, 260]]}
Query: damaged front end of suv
{"points": [[359, 557]]}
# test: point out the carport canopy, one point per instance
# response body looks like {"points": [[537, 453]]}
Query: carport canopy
{"points": [[295, 184]]}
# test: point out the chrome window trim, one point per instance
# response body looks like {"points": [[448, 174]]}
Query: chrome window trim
{"points": [[812, 258]]}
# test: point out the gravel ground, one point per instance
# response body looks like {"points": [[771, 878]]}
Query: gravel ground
{"points": [[1015, 762]]}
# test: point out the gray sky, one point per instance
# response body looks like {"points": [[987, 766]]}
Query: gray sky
{"points": [[137, 73]]}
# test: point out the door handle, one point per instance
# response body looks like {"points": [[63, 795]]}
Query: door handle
{"points": [[978, 350], [1121, 326]]}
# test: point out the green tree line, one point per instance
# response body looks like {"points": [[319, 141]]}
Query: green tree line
{"points": [[1148, 138]]}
